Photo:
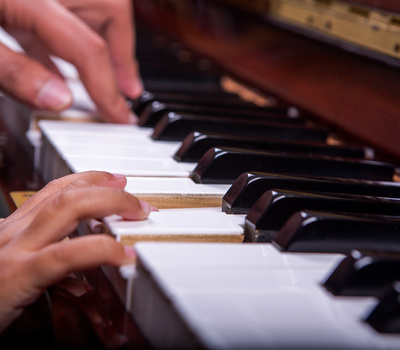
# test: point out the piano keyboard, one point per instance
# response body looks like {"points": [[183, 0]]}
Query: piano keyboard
{"points": [[222, 296]]}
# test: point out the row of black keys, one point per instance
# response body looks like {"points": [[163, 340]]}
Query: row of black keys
{"points": [[298, 192], [292, 166]]}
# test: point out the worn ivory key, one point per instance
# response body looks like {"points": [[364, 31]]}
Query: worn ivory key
{"points": [[179, 225], [170, 192]]}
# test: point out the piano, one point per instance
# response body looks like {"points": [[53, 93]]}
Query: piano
{"points": [[325, 69]]}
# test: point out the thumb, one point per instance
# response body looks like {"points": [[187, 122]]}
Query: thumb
{"points": [[30, 82]]}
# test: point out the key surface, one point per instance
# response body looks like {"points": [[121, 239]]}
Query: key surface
{"points": [[227, 164]]}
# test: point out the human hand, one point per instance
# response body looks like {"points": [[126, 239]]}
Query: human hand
{"points": [[33, 254], [96, 36]]}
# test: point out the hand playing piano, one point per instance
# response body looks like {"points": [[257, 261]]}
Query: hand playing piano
{"points": [[33, 251], [95, 36]]}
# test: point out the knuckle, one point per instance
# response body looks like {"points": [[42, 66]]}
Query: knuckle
{"points": [[64, 198], [107, 246], [96, 47], [59, 255], [79, 183], [54, 185]]}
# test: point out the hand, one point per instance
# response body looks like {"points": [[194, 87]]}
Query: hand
{"points": [[33, 254], [96, 36]]}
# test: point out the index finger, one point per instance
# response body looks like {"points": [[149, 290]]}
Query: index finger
{"points": [[71, 39], [98, 178], [59, 214], [121, 39]]}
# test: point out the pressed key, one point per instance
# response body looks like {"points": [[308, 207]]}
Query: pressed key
{"points": [[225, 165], [385, 317], [364, 273], [196, 144], [155, 110], [322, 232], [175, 127], [274, 208], [248, 187]]}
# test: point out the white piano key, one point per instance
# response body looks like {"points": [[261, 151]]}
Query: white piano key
{"points": [[100, 129], [64, 142], [172, 186], [71, 138], [178, 222], [104, 148], [228, 296], [252, 255], [58, 137], [131, 166], [284, 317], [124, 149]]}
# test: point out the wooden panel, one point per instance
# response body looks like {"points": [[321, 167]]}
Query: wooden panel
{"points": [[354, 95], [390, 5]]}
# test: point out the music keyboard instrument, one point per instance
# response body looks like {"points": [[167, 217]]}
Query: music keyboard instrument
{"points": [[326, 112]]}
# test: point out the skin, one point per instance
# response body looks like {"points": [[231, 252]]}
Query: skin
{"points": [[33, 251], [96, 36]]}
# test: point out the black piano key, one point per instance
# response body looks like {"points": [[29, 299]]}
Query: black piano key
{"points": [[385, 317], [322, 232], [175, 127], [274, 208], [364, 273], [195, 144], [156, 110], [248, 187], [188, 97], [225, 165], [185, 97]]}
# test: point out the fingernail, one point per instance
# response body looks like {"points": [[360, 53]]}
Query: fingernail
{"points": [[54, 95], [138, 87], [129, 252], [119, 176], [132, 118], [146, 207]]}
